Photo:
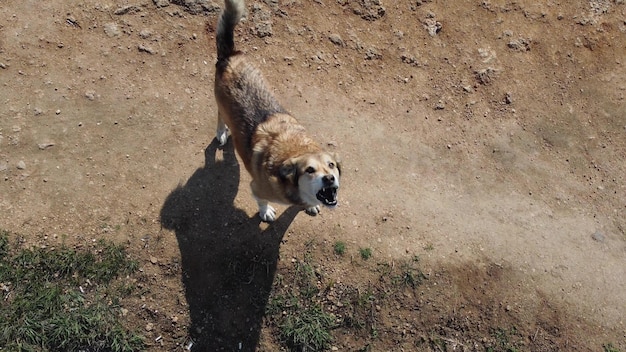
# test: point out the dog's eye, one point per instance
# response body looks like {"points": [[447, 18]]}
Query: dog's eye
{"points": [[331, 165], [310, 170]]}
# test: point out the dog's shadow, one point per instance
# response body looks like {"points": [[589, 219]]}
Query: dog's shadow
{"points": [[228, 262]]}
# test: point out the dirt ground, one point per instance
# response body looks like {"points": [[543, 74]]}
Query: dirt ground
{"points": [[486, 137]]}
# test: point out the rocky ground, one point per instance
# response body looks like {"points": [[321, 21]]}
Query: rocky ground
{"points": [[483, 144]]}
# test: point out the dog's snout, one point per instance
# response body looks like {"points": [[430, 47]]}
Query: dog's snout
{"points": [[329, 180]]}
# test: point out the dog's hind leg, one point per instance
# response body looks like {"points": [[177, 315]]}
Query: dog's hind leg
{"points": [[222, 130]]}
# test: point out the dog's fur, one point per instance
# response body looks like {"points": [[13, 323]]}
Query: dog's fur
{"points": [[285, 164]]}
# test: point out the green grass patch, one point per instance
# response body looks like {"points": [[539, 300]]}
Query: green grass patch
{"points": [[610, 348], [339, 247], [296, 308], [308, 329], [366, 253], [54, 300], [503, 338], [409, 275]]}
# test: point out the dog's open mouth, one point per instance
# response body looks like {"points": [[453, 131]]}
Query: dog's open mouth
{"points": [[328, 196]]}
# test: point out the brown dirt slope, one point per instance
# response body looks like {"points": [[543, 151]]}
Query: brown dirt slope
{"points": [[487, 138]]}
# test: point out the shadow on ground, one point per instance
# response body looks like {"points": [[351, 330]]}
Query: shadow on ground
{"points": [[228, 262]]}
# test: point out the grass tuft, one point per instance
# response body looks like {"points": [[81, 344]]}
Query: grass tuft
{"points": [[308, 330], [339, 248], [610, 348], [366, 253], [46, 308]]}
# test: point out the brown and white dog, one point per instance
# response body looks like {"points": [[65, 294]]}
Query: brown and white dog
{"points": [[286, 165]]}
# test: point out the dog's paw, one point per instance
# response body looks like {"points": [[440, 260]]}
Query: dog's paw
{"points": [[222, 136], [267, 213], [313, 210]]}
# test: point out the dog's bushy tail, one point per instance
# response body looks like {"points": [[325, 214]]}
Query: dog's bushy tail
{"points": [[233, 11]]}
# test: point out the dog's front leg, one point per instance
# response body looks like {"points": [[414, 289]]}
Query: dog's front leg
{"points": [[313, 210], [267, 213]]}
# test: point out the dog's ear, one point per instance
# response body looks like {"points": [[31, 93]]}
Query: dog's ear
{"points": [[337, 162], [288, 171]]}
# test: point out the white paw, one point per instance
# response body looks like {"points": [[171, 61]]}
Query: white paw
{"points": [[313, 210], [222, 136], [267, 213]]}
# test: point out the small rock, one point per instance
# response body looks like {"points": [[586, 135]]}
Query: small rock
{"points": [[373, 54], [149, 327], [90, 94], [146, 49], [197, 7], [21, 165], [264, 29], [409, 59], [4, 166], [485, 76], [126, 10], [124, 312], [161, 3], [45, 145], [519, 44], [369, 10], [111, 29], [154, 260], [336, 39], [433, 27], [3, 65], [38, 111], [508, 99], [145, 33], [598, 236]]}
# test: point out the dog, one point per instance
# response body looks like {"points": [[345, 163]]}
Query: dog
{"points": [[286, 165]]}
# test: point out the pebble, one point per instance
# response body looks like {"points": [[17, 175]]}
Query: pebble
{"points": [[146, 49], [161, 3], [149, 327], [90, 94], [336, 39], [111, 29], [145, 33], [21, 165], [433, 27], [4, 166], [373, 54], [508, 99], [154, 260], [598, 236], [126, 10], [45, 145]]}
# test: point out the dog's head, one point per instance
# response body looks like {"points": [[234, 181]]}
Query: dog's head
{"points": [[316, 175]]}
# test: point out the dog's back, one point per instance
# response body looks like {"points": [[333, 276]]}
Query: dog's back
{"points": [[240, 89]]}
